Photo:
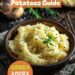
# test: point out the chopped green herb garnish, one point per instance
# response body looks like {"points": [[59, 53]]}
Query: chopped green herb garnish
{"points": [[48, 40]]}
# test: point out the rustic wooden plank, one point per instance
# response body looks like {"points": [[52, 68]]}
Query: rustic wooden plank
{"points": [[70, 22]]}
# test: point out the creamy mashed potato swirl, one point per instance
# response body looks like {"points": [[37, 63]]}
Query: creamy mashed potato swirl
{"points": [[39, 44]]}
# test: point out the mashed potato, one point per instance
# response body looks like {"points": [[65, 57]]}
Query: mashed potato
{"points": [[39, 44]]}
